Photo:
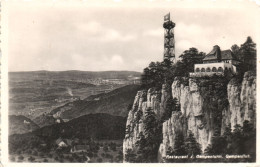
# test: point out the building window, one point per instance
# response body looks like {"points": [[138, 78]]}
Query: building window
{"points": [[214, 69], [208, 69], [220, 69], [197, 70], [203, 70]]}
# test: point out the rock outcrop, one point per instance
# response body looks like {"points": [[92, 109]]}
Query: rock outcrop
{"points": [[151, 99], [204, 106], [242, 102]]}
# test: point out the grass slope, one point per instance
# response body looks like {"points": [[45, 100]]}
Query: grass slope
{"points": [[99, 126], [21, 124], [115, 102]]}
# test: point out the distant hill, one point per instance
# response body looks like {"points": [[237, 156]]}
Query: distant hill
{"points": [[96, 126], [21, 124], [115, 102], [45, 120], [74, 74]]}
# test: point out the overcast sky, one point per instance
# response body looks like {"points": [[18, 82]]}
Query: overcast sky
{"points": [[118, 35]]}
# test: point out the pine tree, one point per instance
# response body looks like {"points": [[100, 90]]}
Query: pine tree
{"points": [[179, 146], [228, 137], [237, 140], [192, 147], [218, 144], [248, 51], [150, 140], [130, 155]]}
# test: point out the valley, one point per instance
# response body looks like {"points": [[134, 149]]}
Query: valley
{"points": [[32, 94]]}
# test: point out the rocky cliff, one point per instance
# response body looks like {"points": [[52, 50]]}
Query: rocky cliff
{"points": [[242, 102], [205, 105]]}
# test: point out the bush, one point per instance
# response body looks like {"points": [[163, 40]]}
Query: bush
{"points": [[29, 151], [41, 154], [71, 159], [31, 159], [105, 148], [99, 159], [35, 153], [12, 159], [90, 154], [45, 160], [20, 157]]}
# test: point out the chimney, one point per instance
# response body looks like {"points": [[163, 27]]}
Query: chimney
{"points": [[217, 52]]}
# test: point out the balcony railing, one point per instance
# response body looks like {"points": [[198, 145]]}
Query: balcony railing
{"points": [[202, 74]]}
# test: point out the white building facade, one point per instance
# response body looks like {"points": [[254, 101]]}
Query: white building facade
{"points": [[216, 62]]}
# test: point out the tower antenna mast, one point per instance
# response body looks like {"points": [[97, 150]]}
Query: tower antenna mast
{"points": [[169, 42]]}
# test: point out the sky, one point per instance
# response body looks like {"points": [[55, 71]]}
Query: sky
{"points": [[119, 35]]}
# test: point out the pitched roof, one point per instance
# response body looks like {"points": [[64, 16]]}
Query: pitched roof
{"points": [[227, 55], [214, 54], [59, 140], [224, 55], [81, 147]]}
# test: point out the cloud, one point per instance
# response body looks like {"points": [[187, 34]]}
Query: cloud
{"points": [[91, 27], [113, 35], [189, 35], [95, 38], [116, 60], [154, 32], [103, 33]]}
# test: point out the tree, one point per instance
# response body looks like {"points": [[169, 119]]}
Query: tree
{"points": [[248, 52], [236, 50], [228, 137], [152, 135], [172, 105], [13, 159], [139, 115], [237, 140], [20, 157], [189, 58], [249, 138], [130, 155], [105, 148], [218, 144], [192, 147], [169, 151], [31, 159], [156, 74], [141, 145], [179, 145]]}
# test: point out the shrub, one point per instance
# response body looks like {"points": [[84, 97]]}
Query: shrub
{"points": [[35, 153], [31, 159], [56, 158], [99, 159], [12, 159], [105, 148], [20, 157]]}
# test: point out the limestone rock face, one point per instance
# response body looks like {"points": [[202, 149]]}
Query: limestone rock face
{"points": [[199, 105], [242, 101], [192, 117], [171, 127], [151, 99]]}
